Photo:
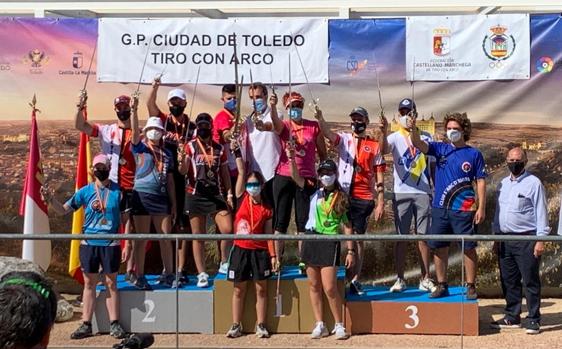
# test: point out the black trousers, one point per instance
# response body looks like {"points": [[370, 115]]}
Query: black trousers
{"points": [[518, 268]]}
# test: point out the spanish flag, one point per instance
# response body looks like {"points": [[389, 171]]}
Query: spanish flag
{"points": [[82, 179]]}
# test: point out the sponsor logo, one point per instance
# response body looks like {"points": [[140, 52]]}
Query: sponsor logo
{"points": [[36, 58], [498, 46], [466, 166], [441, 41], [77, 60], [354, 66], [544, 64]]}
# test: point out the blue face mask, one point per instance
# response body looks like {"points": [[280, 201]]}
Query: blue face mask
{"points": [[295, 113], [260, 104], [230, 105]]}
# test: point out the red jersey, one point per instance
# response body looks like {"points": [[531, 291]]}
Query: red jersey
{"points": [[250, 219]]}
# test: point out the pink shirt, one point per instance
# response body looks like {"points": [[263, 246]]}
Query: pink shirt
{"points": [[305, 136]]}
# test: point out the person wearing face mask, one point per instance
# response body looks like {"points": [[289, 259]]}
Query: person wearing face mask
{"points": [[305, 136], [328, 215], [361, 176], [205, 164], [457, 208], [412, 194], [179, 130], [154, 199], [115, 142], [521, 209], [250, 260], [100, 200]]}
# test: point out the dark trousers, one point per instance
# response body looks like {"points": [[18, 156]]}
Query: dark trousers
{"points": [[518, 268]]}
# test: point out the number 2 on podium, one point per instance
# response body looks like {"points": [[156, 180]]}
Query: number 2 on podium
{"points": [[414, 316], [149, 304]]}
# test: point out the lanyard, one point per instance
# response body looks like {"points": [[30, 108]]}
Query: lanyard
{"points": [[209, 158], [331, 208], [411, 147], [157, 159], [252, 226], [103, 202], [298, 130]]}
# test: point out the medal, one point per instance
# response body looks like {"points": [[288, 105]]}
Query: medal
{"points": [[210, 174], [327, 224], [302, 153], [209, 158], [358, 169], [103, 221], [328, 212], [122, 161], [413, 164], [103, 203], [163, 189]]}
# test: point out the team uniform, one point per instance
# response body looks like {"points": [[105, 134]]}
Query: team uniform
{"points": [[115, 142], [359, 160], [454, 203], [412, 188], [99, 253], [285, 190], [150, 191], [323, 220], [250, 259]]}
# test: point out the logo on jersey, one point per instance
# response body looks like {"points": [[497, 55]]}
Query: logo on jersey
{"points": [[466, 166], [367, 149], [243, 227]]}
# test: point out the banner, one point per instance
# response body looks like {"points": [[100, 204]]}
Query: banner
{"points": [[177, 48], [491, 47]]}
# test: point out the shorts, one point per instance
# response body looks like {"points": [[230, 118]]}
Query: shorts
{"points": [[359, 212], [146, 204], [409, 205], [317, 253], [245, 264], [100, 259], [447, 222], [285, 193], [126, 203], [199, 205]]}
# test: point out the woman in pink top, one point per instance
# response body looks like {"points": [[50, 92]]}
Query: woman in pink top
{"points": [[307, 139]]}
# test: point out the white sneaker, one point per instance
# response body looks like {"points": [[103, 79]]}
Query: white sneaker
{"points": [[235, 331], [319, 331], [427, 285], [399, 286], [339, 331], [261, 331], [223, 268], [203, 280]]}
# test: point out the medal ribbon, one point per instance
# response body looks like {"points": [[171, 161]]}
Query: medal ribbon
{"points": [[103, 202], [209, 158], [331, 208], [252, 226], [157, 159], [298, 130]]}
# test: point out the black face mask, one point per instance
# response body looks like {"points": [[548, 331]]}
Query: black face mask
{"points": [[516, 167], [124, 115], [177, 110], [358, 127], [102, 175], [204, 133]]}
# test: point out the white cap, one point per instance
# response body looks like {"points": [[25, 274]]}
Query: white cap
{"points": [[154, 122], [176, 93]]}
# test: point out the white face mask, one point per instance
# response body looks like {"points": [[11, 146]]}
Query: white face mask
{"points": [[154, 135], [454, 135], [404, 121], [253, 191], [328, 180]]}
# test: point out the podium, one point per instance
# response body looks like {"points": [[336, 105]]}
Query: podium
{"points": [[155, 311], [411, 312]]}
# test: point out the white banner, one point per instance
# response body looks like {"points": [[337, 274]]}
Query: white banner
{"points": [[176, 48], [479, 47]]}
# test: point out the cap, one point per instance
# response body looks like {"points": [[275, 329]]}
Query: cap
{"points": [[101, 159], [361, 111], [204, 118], [154, 122], [407, 103], [122, 99], [327, 165], [293, 97], [176, 93]]}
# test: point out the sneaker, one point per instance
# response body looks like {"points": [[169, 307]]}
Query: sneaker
{"points": [[339, 331], [203, 280], [319, 331], [181, 281], [471, 292], [399, 285], [116, 331], [505, 323], [533, 327], [261, 331], [355, 287], [130, 277], [223, 268], [83, 331], [427, 285], [142, 284], [302, 268], [441, 290], [235, 331], [166, 280]]}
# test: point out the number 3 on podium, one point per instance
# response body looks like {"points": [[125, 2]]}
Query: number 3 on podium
{"points": [[413, 310]]}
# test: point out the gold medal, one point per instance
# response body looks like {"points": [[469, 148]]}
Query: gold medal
{"points": [[413, 164]]}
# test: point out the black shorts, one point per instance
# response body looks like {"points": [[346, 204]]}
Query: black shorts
{"points": [[146, 204], [320, 253], [100, 259], [285, 193], [126, 204], [359, 212], [245, 265], [196, 204]]}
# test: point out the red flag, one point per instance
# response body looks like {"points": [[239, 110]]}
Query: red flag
{"points": [[32, 206]]}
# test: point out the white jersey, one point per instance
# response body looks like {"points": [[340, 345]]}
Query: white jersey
{"points": [[412, 168]]}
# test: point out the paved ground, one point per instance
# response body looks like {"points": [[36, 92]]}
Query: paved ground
{"points": [[490, 309]]}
